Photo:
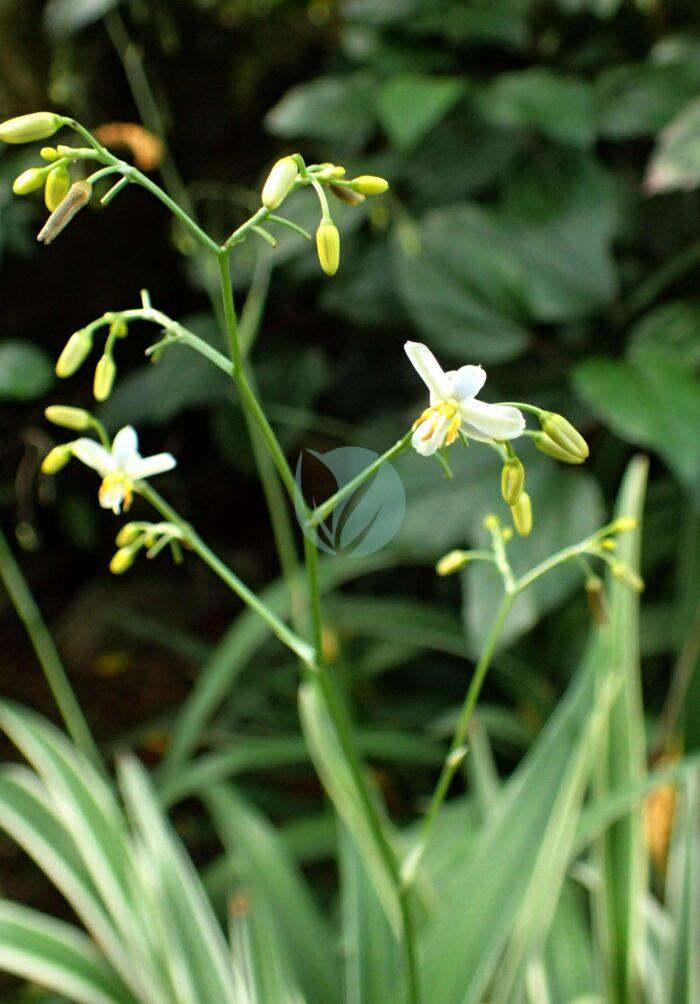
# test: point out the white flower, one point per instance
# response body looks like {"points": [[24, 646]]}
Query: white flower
{"points": [[121, 467], [454, 407]]}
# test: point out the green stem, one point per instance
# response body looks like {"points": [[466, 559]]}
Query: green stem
{"points": [[46, 652], [288, 637], [549, 563], [326, 508], [458, 749], [241, 233]]}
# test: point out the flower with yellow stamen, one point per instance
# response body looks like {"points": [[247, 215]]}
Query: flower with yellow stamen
{"points": [[120, 468], [454, 408]]}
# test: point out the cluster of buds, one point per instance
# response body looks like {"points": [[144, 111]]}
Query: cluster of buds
{"points": [[79, 346], [514, 494], [151, 537], [291, 173]]}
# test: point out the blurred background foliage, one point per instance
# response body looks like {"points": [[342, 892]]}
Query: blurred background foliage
{"points": [[544, 159]]}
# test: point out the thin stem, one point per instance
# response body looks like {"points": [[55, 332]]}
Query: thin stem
{"points": [[458, 750], [241, 233], [47, 653], [320, 513], [288, 637], [556, 559], [141, 179]]}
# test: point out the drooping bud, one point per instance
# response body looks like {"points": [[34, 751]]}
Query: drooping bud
{"points": [[57, 186], [121, 561], [29, 128], [105, 372], [128, 534], [522, 515], [328, 247], [49, 153], [370, 184], [550, 448], [512, 480], [77, 198], [623, 573], [279, 182], [564, 434], [595, 593], [56, 459], [29, 180], [451, 563], [67, 417], [75, 352], [347, 195]]}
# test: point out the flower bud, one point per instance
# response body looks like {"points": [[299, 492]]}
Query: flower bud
{"points": [[29, 180], [609, 544], [56, 459], [522, 515], [68, 418], [279, 182], [564, 434], [623, 524], [595, 593], [119, 328], [623, 573], [328, 246], [49, 153], [128, 534], [451, 563], [121, 561], [347, 195], [331, 172], [550, 448], [77, 198], [370, 184], [29, 128], [512, 480], [57, 185], [75, 352], [105, 372]]}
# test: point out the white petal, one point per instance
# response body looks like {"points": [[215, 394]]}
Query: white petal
{"points": [[494, 421], [147, 467], [430, 435], [467, 381], [429, 370], [93, 455], [125, 447]]}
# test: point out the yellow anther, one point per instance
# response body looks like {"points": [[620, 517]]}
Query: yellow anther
{"points": [[117, 492]]}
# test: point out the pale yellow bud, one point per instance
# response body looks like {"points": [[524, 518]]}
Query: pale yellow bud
{"points": [[623, 573], [624, 524], [122, 561], [105, 372], [522, 515], [56, 459], [451, 563], [49, 153], [370, 184], [68, 418], [29, 128], [57, 185], [564, 434], [491, 522], [608, 544], [550, 448], [507, 533], [512, 480], [29, 180], [128, 534], [74, 354], [279, 182], [328, 246]]}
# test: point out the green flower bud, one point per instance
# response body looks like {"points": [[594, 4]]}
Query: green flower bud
{"points": [[624, 524], [128, 534], [564, 434], [77, 197], [279, 182], [56, 459], [623, 573], [29, 128], [57, 186], [49, 153], [75, 352], [370, 184], [121, 561], [105, 372], [452, 562], [29, 180], [522, 515], [512, 480], [68, 418], [119, 328], [328, 246], [550, 448]]}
